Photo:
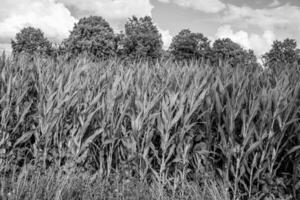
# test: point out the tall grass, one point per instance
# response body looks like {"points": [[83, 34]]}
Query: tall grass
{"points": [[192, 131]]}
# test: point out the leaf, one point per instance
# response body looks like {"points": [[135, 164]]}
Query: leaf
{"points": [[171, 151], [96, 99], [178, 115], [253, 147], [108, 141], [90, 139], [26, 110], [294, 149], [24, 138], [86, 124]]}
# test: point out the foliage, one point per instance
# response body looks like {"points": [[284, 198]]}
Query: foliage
{"points": [[31, 40], [170, 127], [33, 184], [142, 39], [232, 53], [119, 44], [187, 45], [281, 53], [92, 36]]}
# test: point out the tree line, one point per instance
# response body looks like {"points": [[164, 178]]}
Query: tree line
{"points": [[94, 37]]}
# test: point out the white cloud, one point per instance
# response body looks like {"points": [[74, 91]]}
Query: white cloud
{"points": [[259, 43], [275, 22], [110, 9], [208, 6], [51, 17], [275, 3], [165, 1], [56, 17], [116, 12], [5, 47], [267, 18], [166, 37]]}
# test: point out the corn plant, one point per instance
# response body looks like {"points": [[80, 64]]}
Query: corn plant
{"points": [[174, 127]]}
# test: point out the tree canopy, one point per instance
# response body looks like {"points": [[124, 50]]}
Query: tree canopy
{"points": [[142, 39], [282, 52], [187, 45], [31, 40], [231, 52], [93, 36]]}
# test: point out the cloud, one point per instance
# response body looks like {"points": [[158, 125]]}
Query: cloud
{"points": [[51, 17], [275, 22], [267, 18], [259, 43], [165, 1], [116, 12], [208, 6], [5, 47], [166, 37], [275, 3], [110, 9], [57, 17]]}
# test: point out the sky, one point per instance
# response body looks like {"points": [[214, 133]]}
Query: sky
{"points": [[254, 24]]}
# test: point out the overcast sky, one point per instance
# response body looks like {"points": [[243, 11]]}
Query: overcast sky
{"points": [[252, 23]]}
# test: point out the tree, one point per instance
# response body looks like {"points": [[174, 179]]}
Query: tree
{"points": [[231, 52], [119, 46], [187, 45], [281, 53], [297, 51], [92, 36], [142, 39], [226, 49], [31, 40], [249, 57]]}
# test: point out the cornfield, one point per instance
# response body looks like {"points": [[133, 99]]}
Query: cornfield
{"points": [[188, 131]]}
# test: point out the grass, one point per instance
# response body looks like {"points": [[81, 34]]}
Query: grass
{"points": [[110, 130], [54, 185]]}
